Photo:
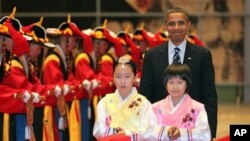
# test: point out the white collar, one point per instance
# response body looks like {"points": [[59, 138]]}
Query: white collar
{"points": [[181, 46], [177, 105], [120, 100]]}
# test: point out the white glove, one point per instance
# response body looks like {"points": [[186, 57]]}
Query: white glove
{"points": [[62, 123], [26, 96], [66, 89], [36, 98], [95, 83], [28, 132], [86, 84], [138, 80], [58, 91], [89, 112]]}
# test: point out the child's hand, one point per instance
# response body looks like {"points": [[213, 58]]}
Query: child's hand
{"points": [[120, 130], [173, 133]]}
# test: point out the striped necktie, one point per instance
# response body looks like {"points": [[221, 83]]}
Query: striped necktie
{"points": [[176, 58]]}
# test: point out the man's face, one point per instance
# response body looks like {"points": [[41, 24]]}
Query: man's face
{"points": [[125, 49], [143, 45], [71, 43], [177, 26], [67, 43], [9, 43], [100, 47], [35, 50]]}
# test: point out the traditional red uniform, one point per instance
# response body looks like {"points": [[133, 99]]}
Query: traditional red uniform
{"points": [[63, 65], [54, 72], [17, 73]]}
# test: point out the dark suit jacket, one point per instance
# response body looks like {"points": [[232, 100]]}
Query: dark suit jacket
{"points": [[199, 59]]}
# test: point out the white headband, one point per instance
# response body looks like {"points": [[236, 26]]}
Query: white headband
{"points": [[123, 60]]}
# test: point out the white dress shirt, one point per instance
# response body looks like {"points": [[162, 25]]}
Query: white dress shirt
{"points": [[171, 51]]}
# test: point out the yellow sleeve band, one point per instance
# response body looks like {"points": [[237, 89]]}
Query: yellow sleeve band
{"points": [[15, 63], [107, 58], [82, 56], [50, 58]]}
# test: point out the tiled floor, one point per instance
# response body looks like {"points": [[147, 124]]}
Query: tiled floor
{"points": [[230, 113]]}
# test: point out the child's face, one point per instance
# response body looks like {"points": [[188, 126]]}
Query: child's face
{"points": [[176, 87], [124, 79]]}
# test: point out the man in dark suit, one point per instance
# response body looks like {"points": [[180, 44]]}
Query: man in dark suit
{"points": [[199, 59]]}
